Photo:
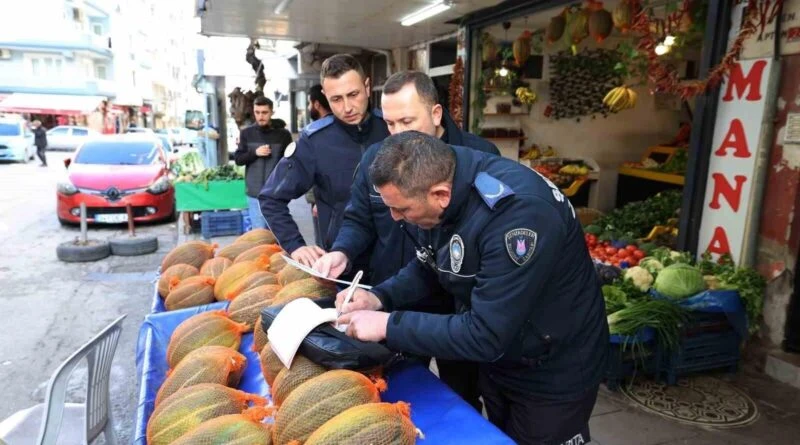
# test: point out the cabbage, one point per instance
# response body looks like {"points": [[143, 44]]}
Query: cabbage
{"points": [[679, 281]]}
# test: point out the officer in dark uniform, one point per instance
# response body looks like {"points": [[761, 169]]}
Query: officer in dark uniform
{"points": [[325, 157], [409, 102], [505, 242]]}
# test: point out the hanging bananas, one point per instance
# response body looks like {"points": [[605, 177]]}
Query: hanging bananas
{"points": [[620, 98]]}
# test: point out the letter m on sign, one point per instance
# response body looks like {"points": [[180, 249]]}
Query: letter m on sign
{"points": [[740, 82]]}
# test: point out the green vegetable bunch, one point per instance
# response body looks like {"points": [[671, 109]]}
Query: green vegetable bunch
{"points": [[748, 282], [636, 219]]}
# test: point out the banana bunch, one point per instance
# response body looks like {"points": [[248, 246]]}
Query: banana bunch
{"points": [[574, 170], [525, 95], [620, 98]]}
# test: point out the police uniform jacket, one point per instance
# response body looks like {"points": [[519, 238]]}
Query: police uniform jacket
{"points": [[512, 253], [325, 157], [368, 226]]}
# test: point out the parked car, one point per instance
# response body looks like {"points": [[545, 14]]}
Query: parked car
{"points": [[16, 141], [172, 134], [111, 172], [140, 130], [68, 137]]}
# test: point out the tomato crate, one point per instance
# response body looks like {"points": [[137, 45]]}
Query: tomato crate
{"points": [[221, 223], [708, 342]]}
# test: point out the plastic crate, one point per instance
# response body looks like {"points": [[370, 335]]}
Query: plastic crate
{"points": [[626, 361], [247, 224], [708, 342], [221, 223]]}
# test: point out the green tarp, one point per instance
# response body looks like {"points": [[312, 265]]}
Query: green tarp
{"points": [[220, 195]]}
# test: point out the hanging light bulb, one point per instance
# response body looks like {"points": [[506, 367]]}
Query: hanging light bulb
{"points": [[669, 40], [503, 72], [661, 49]]}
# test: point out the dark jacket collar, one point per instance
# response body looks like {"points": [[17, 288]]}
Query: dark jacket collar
{"points": [[466, 169], [358, 132], [452, 134]]}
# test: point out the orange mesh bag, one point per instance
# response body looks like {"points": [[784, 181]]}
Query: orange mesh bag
{"points": [[212, 328], [319, 400], [190, 407], [253, 253], [371, 423], [209, 364], [276, 262], [236, 429], [232, 251], [190, 292], [290, 274], [309, 287], [271, 365], [246, 308], [288, 379], [258, 279], [234, 280], [215, 266], [260, 236], [259, 336], [193, 253], [179, 271]]}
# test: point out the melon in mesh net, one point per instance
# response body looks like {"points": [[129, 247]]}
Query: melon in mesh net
{"points": [[307, 287], [190, 292], [213, 328], [209, 364], [371, 423], [246, 428], [270, 364], [235, 279], [288, 379], [253, 253], [194, 253], [215, 266], [320, 399], [276, 262], [246, 308], [179, 271], [259, 336], [290, 273], [190, 407], [260, 236], [232, 251]]}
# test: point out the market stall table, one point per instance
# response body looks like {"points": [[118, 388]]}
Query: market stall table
{"points": [[213, 195], [438, 412]]}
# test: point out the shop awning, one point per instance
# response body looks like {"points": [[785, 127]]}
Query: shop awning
{"points": [[59, 104]]}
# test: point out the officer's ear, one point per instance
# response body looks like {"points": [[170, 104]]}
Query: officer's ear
{"points": [[440, 194], [367, 86], [437, 112]]}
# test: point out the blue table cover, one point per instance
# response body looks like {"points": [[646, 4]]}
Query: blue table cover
{"points": [[717, 301], [437, 411]]}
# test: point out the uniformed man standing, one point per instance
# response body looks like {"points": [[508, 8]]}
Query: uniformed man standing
{"points": [[325, 158], [409, 102], [317, 109], [505, 242]]}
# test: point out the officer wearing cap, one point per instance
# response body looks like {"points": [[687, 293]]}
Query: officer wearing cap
{"points": [[504, 241], [409, 102], [325, 158]]}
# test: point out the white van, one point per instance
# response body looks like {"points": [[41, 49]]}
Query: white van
{"points": [[16, 141]]}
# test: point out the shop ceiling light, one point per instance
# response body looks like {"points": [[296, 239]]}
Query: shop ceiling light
{"points": [[281, 6], [661, 49], [427, 12], [669, 40]]}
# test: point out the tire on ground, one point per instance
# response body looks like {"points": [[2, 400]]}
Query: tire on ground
{"points": [[132, 246], [71, 252]]}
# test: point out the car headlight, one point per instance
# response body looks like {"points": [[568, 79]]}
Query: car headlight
{"points": [[160, 186], [67, 188]]}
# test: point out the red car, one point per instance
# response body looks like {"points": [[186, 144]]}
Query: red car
{"points": [[110, 172]]}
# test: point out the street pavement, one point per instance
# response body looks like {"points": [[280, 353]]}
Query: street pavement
{"points": [[48, 309]]}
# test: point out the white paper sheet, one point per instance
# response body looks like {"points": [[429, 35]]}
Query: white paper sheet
{"points": [[294, 322], [313, 272]]}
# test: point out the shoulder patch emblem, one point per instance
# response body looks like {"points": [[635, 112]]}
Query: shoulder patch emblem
{"points": [[456, 253], [520, 244], [289, 150], [491, 189]]}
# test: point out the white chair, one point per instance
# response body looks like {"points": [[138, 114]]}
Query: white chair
{"points": [[56, 422]]}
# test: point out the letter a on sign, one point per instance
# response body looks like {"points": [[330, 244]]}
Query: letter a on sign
{"points": [[719, 242], [735, 139]]}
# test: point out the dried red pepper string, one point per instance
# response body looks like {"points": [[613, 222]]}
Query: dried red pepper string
{"points": [[665, 78]]}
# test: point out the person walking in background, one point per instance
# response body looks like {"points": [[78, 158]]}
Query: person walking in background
{"points": [[318, 108], [261, 146], [40, 140]]}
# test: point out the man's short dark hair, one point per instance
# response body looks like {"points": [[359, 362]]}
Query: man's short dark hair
{"points": [[422, 82], [413, 162], [260, 101], [315, 94], [335, 66]]}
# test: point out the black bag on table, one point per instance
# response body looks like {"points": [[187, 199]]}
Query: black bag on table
{"points": [[328, 347]]}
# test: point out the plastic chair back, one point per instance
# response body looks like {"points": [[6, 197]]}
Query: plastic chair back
{"points": [[99, 353]]}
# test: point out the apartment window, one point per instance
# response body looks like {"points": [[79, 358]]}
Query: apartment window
{"points": [[45, 66], [133, 77], [97, 29], [101, 72], [35, 69]]}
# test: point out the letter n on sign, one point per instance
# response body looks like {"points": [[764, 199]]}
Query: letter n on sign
{"points": [[737, 130]]}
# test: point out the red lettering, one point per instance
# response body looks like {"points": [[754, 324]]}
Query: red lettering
{"points": [[750, 82], [735, 139], [732, 194], [719, 242]]}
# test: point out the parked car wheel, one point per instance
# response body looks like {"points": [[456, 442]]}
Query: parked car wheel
{"points": [[132, 246], [75, 252]]}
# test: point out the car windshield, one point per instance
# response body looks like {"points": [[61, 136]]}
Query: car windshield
{"points": [[111, 153], [9, 129]]}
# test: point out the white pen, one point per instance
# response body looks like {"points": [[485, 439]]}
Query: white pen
{"points": [[350, 292]]}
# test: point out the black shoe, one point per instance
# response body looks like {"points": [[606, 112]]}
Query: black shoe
{"points": [[42, 165]]}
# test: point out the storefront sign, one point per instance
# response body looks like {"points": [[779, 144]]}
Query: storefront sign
{"points": [[731, 169], [762, 43]]}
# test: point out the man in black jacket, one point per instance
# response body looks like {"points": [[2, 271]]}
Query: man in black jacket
{"points": [[261, 146], [40, 140]]}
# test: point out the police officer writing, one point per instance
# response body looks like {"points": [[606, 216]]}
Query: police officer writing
{"points": [[505, 243], [260, 148], [409, 102], [325, 157]]}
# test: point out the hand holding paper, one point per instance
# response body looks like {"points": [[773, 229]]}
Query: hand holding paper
{"points": [[313, 272]]}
